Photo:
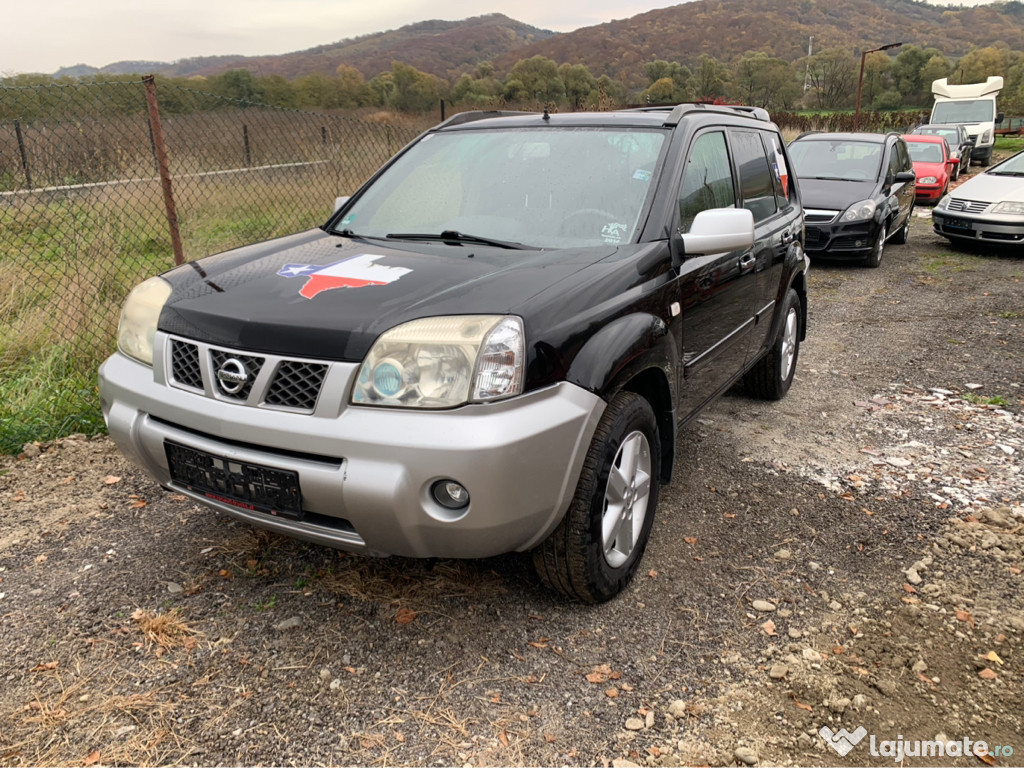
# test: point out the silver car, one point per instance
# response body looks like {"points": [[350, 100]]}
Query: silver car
{"points": [[989, 208]]}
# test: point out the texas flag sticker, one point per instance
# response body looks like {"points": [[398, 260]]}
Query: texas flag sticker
{"points": [[357, 272]]}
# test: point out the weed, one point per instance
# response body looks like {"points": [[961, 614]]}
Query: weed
{"points": [[997, 400], [267, 604]]}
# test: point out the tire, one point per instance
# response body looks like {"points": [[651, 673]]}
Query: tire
{"points": [[594, 552], [901, 237], [772, 375], [956, 173], [874, 258]]}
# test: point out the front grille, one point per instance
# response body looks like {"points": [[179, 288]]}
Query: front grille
{"points": [[968, 206], [296, 384], [819, 216], [234, 376], [185, 364]]}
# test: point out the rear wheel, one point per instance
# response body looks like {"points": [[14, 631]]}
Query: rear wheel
{"points": [[772, 375], [594, 552], [874, 258]]}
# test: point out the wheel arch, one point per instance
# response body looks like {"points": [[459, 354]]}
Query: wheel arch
{"points": [[635, 353]]}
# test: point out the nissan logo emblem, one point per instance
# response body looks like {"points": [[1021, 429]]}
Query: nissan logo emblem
{"points": [[232, 376]]}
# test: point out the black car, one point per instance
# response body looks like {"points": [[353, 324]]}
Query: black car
{"points": [[858, 191], [959, 141], [488, 348]]}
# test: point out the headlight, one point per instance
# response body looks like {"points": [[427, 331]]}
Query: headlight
{"points": [[137, 327], [943, 202], [1009, 206], [442, 362], [986, 137], [927, 180], [865, 209]]}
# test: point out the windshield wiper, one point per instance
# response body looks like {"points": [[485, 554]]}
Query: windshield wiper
{"points": [[830, 178], [452, 237], [349, 233], [1005, 173]]}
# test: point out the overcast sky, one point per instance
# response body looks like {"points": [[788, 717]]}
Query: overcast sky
{"points": [[60, 33]]}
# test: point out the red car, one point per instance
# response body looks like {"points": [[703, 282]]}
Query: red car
{"points": [[933, 165]]}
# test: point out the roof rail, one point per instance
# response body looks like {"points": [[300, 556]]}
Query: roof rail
{"points": [[469, 117], [679, 110]]}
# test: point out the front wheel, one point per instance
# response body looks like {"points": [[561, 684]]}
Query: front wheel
{"points": [[904, 232], [594, 552], [772, 375], [874, 258]]}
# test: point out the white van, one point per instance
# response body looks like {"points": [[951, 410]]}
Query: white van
{"points": [[974, 106]]}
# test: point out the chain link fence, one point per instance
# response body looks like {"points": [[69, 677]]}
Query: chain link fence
{"points": [[105, 183]]}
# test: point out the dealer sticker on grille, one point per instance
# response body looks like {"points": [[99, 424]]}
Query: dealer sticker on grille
{"points": [[246, 486]]}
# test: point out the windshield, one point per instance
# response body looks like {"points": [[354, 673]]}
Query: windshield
{"points": [[838, 159], [921, 152], [966, 111], [1013, 166], [949, 134], [540, 187]]}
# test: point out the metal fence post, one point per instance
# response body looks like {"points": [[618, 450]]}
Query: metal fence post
{"points": [[164, 166], [24, 156], [245, 141]]}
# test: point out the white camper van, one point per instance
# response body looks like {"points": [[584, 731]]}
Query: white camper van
{"points": [[973, 105]]}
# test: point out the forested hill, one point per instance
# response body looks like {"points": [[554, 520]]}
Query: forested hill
{"points": [[726, 29], [442, 48]]}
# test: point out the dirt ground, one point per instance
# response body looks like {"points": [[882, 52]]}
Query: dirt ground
{"points": [[848, 558]]}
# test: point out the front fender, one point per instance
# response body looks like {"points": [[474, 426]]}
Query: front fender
{"points": [[621, 350]]}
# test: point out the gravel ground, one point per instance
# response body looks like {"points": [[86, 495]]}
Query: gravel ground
{"points": [[847, 558]]}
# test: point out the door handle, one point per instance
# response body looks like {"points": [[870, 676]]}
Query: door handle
{"points": [[786, 237], [747, 263]]}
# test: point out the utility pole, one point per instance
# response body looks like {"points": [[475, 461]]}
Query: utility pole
{"points": [[810, 52]]}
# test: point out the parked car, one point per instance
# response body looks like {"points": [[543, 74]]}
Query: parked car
{"points": [[959, 141], [932, 164], [858, 191], [488, 348], [988, 208]]}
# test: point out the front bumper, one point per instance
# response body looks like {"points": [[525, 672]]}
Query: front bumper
{"points": [[929, 193], [995, 229], [365, 473], [838, 241]]}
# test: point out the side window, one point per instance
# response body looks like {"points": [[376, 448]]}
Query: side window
{"points": [[907, 160], [757, 190], [895, 163], [780, 169], [707, 179]]}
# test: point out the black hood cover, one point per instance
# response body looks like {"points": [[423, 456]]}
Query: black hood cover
{"points": [[330, 297]]}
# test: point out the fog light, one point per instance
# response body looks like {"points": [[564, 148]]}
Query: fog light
{"points": [[450, 494]]}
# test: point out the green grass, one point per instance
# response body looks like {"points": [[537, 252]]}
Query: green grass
{"points": [[1009, 144], [66, 267], [999, 400]]}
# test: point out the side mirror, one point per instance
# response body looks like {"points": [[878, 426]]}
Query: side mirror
{"points": [[340, 201], [999, 117], [906, 176], [719, 230]]}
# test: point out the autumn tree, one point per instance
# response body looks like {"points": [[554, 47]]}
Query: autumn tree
{"points": [[711, 79], [764, 81], [580, 85], [415, 91], [534, 78], [832, 76], [981, 64]]}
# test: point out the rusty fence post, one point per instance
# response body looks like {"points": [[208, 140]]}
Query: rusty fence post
{"points": [[24, 155], [164, 168], [245, 141]]}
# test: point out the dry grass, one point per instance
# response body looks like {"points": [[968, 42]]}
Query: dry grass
{"points": [[166, 631]]}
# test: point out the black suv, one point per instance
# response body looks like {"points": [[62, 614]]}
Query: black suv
{"points": [[488, 348], [858, 191]]}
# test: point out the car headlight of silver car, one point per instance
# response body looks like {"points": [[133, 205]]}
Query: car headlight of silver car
{"points": [[443, 362], [1013, 207], [944, 201], [139, 316], [865, 209]]}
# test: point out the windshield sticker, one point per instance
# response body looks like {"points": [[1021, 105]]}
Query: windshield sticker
{"points": [[357, 272], [613, 233], [641, 175]]}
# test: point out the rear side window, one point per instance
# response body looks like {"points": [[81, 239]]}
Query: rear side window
{"points": [[757, 189], [707, 179], [780, 169]]}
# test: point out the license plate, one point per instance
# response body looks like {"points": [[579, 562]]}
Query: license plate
{"points": [[957, 223], [246, 486]]}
